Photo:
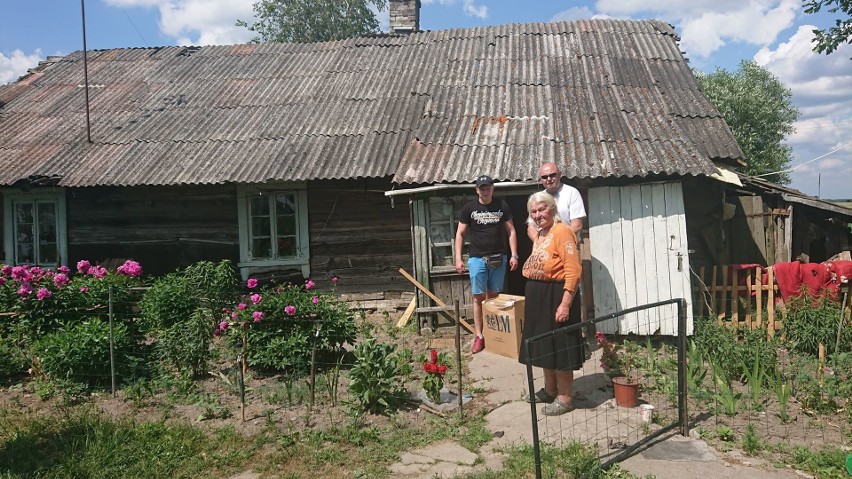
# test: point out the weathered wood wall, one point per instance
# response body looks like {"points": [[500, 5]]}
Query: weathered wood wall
{"points": [[164, 228], [355, 234], [358, 236]]}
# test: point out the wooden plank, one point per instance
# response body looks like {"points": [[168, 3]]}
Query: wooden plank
{"points": [[406, 315], [600, 234], [617, 268], [678, 255], [713, 291], [434, 298], [647, 229], [638, 213], [758, 284], [748, 299], [722, 301], [735, 299], [662, 250], [770, 302], [630, 278]]}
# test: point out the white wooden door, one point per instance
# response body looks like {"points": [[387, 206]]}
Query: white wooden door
{"points": [[640, 255]]}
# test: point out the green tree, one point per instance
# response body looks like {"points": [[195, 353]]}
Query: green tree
{"points": [[760, 112], [296, 21], [827, 40]]}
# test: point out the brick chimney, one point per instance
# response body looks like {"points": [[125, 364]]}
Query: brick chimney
{"points": [[404, 16]]}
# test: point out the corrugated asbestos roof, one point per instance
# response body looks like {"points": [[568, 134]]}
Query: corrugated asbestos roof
{"points": [[599, 97]]}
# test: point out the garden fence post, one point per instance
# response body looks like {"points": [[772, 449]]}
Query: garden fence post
{"points": [[841, 321], [459, 356], [681, 368], [314, 366], [242, 387], [111, 344]]}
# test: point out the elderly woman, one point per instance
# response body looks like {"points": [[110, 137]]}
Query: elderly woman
{"points": [[553, 274]]}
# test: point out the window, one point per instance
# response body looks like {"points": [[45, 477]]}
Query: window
{"points": [[34, 227], [443, 222], [273, 228]]}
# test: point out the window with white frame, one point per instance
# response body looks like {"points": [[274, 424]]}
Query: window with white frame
{"points": [[34, 227], [443, 222], [273, 225]]}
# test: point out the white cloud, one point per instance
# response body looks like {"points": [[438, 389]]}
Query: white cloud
{"points": [[576, 13], [708, 25], [473, 10], [212, 20], [822, 90], [16, 65]]}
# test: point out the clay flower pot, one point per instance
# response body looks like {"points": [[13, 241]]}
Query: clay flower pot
{"points": [[626, 391]]}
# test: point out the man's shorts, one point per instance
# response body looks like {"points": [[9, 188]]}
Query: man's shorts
{"points": [[483, 278]]}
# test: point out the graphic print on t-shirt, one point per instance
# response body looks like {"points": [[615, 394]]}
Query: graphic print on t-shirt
{"points": [[486, 217]]}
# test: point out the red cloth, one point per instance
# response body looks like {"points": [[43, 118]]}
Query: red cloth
{"points": [[817, 279], [741, 278], [789, 278], [841, 273]]}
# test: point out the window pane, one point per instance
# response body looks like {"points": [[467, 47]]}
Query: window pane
{"points": [[47, 254], [442, 256], [259, 205], [25, 253], [23, 213], [285, 204], [260, 227], [286, 246], [441, 233], [441, 209], [286, 225], [261, 248]]}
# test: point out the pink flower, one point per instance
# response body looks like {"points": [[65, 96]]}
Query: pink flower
{"points": [[6, 270], [251, 283], [234, 316], [20, 273], [255, 298], [98, 271], [84, 289], [224, 325], [130, 268], [83, 266], [257, 316], [334, 279], [25, 289], [2, 281], [217, 333], [60, 280], [290, 309], [43, 293], [242, 306], [309, 284], [64, 269], [315, 299]]}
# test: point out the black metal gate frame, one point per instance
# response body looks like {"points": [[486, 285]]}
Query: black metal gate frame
{"points": [[682, 423]]}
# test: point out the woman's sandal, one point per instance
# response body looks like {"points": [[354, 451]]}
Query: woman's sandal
{"points": [[542, 396], [557, 408]]}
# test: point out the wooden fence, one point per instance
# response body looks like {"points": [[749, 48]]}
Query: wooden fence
{"points": [[741, 298]]}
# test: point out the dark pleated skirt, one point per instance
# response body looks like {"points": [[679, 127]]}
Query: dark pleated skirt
{"points": [[563, 351]]}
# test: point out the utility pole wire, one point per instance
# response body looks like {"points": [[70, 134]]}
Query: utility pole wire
{"points": [[788, 170]]}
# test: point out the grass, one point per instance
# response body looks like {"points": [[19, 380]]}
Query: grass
{"points": [[87, 444]]}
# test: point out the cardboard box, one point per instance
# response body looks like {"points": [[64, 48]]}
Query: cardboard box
{"points": [[503, 324]]}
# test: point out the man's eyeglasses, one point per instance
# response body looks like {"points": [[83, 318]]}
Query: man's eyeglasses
{"points": [[549, 177]]}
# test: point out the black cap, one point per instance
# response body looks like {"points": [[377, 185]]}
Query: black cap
{"points": [[484, 180]]}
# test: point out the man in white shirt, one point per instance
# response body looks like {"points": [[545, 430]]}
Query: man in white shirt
{"points": [[569, 203]]}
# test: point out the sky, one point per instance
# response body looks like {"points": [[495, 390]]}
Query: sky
{"points": [[714, 34]]}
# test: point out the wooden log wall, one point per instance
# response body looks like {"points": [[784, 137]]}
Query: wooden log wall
{"points": [[164, 228], [358, 236]]}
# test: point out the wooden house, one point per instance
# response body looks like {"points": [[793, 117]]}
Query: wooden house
{"points": [[351, 158]]}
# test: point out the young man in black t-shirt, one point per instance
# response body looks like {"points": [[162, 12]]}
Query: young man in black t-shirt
{"points": [[488, 220]]}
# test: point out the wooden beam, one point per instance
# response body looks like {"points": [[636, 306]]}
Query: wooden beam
{"points": [[406, 315], [434, 298]]}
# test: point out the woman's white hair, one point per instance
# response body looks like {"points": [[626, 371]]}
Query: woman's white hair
{"points": [[547, 199]]}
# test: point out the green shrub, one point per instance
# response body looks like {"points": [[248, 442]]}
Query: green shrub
{"points": [[81, 353], [283, 324], [174, 297], [811, 322], [12, 360], [375, 380], [185, 345]]}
